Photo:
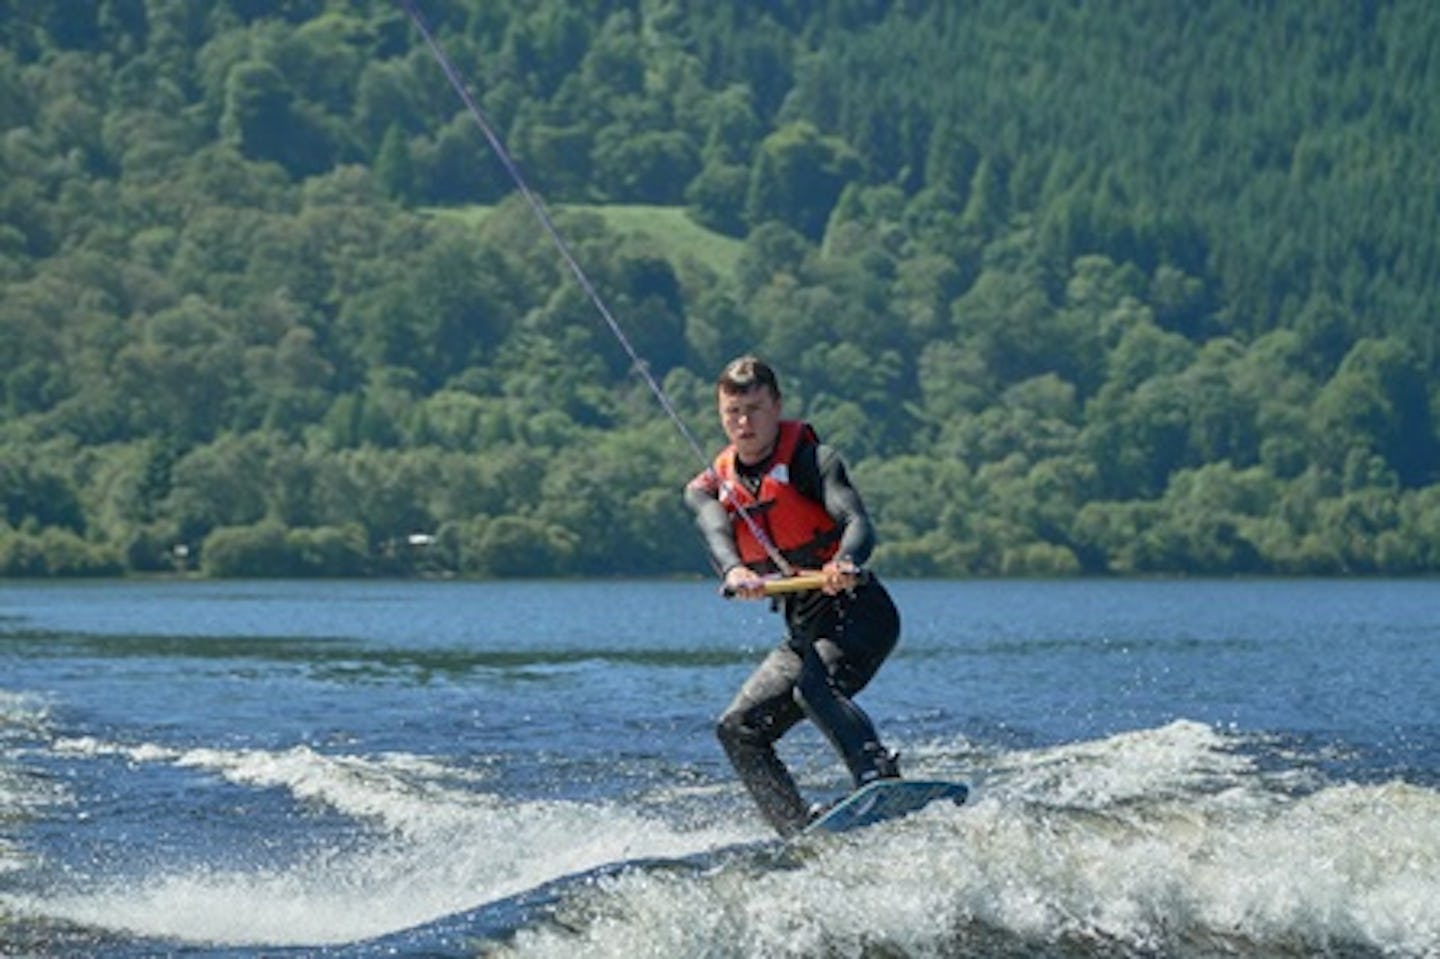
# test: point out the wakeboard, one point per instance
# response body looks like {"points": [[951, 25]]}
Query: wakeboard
{"points": [[885, 799]]}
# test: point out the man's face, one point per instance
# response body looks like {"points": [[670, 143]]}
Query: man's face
{"points": [[751, 421]]}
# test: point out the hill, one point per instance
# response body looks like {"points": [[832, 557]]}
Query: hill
{"points": [[1104, 289]]}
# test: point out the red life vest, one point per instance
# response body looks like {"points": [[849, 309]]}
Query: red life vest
{"points": [[798, 526]]}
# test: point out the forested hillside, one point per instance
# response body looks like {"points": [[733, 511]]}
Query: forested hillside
{"points": [[1101, 287]]}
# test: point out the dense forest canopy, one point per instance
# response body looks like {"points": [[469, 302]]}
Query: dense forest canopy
{"points": [[1100, 287]]}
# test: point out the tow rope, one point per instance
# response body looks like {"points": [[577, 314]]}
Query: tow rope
{"points": [[538, 208]]}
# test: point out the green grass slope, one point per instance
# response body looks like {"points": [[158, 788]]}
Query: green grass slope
{"points": [[672, 233]]}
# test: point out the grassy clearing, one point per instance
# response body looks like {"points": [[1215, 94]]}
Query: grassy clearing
{"points": [[674, 235]]}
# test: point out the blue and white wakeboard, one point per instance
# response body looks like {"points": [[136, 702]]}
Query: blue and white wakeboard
{"points": [[886, 799]]}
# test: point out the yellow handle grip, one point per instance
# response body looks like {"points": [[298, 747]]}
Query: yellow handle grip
{"points": [[789, 584], [794, 584]]}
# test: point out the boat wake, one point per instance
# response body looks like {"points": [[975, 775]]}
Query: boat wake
{"points": [[426, 841], [1178, 840]]}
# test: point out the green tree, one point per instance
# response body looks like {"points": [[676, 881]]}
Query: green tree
{"points": [[394, 166], [386, 97], [796, 178], [219, 484], [37, 496], [732, 129], [263, 120], [951, 159], [716, 197], [246, 552], [644, 165], [1377, 402], [512, 546], [986, 204]]}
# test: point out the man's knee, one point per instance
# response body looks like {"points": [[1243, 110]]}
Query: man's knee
{"points": [[743, 734], [732, 731]]}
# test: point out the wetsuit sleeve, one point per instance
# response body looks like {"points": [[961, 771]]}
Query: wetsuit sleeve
{"points": [[702, 495], [823, 477]]}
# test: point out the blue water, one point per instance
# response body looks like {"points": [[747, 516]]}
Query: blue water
{"points": [[528, 769]]}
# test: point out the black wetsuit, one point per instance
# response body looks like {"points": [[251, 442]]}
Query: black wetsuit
{"points": [[832, 648]]}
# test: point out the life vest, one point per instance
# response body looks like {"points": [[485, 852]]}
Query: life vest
{"points": [[795, 524]]}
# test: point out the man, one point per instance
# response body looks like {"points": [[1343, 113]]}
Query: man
{"points": [[779, 501]]}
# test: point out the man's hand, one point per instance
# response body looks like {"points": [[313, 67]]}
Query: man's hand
{"points": [[744, 582], [841, 576]]}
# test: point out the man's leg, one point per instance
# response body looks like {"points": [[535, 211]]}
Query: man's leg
{"points": [[836, 669], [764, 710], [829, 706]]}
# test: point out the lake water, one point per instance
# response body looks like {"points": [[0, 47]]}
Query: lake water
{"points": [[528, 769]]}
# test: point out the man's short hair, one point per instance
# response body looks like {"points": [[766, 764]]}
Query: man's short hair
{"points": [[746, 373]]}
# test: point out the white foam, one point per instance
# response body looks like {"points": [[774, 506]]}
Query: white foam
{"points": [[1158, 841], [23, 718], [1153, 841], [439, 846], [1180, 759]]}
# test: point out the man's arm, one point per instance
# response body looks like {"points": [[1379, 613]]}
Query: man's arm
{"points": [[832, 487], [713, 521]]}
